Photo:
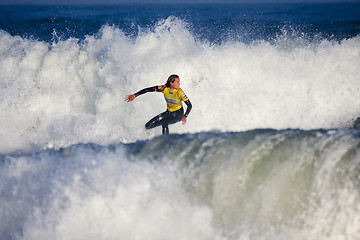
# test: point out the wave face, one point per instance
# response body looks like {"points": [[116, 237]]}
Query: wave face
{"points": [[71, 91], [259, 184]]}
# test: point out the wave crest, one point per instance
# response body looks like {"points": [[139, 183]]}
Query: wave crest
{"points": [[71, 91]]}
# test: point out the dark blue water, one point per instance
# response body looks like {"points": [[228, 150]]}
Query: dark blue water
{"points": [[213, 23]]}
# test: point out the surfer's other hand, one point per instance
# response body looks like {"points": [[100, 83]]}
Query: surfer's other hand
{"points": [[129, 98]]}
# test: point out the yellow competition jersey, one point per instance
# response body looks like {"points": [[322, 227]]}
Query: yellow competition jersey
{"points": [[173, 98]]}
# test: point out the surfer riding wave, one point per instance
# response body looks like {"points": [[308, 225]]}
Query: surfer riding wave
{"points": [[174, 96]]}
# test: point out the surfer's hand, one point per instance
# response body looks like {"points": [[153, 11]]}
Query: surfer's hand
{"points": [[129, 98], [183, 120]]}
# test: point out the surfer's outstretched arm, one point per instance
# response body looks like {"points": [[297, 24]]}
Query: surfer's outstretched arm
{"points": [[129, 98]]}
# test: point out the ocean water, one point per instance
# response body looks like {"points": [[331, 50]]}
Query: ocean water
{"points": [[268, 151]]}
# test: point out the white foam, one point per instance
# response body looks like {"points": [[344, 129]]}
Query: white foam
{"points": [[250, 185], [72, 91], [85, 194]]}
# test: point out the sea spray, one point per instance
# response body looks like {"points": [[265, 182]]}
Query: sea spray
{"points": [[72, 91]]}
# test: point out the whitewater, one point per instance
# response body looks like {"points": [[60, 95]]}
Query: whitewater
{"points": [[72, 91], [259, 184], [267, 152]]}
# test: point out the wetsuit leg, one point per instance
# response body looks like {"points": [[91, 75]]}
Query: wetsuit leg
{"points": [[165, 128], [171, 118], [164, 119], [175, 117], [156, 121]]}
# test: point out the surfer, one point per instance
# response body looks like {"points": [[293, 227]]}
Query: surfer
{"points": [[174, 96]]}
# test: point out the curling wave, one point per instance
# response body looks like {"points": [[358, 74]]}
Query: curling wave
{"points": [[259, 184]]}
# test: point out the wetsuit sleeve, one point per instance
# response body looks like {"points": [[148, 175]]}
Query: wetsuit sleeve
{"points": [[182, 95], [188, 109], [145, 90]]}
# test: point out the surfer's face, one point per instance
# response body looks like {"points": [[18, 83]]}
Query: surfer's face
{"points": [[175, 84]]}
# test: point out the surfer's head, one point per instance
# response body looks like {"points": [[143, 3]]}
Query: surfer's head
{"points": [[171, 80]]}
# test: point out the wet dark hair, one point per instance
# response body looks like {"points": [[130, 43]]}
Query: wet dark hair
{"points": [[170, 79]]}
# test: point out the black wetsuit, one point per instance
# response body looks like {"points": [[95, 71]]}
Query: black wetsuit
{"points": [[167, 117]]}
